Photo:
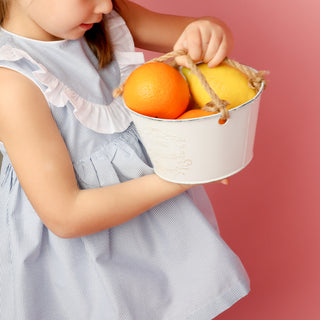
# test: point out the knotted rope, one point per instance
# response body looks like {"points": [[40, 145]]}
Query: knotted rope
{"points": [[255, 80]]}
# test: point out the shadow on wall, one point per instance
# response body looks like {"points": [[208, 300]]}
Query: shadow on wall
{"points": [[0, 160]]}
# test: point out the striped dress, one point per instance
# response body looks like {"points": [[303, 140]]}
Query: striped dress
{"points": [[169, 263]]}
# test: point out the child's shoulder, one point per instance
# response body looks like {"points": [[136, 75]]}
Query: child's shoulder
{"points": [[15, 85], [18, 96]]}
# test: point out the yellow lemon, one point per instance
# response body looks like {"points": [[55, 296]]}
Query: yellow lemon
{"points": [[227, 82]]}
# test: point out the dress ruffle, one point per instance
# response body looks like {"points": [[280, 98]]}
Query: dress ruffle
{"points": [[101, 118]]}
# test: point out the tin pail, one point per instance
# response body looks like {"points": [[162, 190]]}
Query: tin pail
{"points": [[200, 150]]}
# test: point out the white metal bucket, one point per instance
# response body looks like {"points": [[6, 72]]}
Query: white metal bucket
{"points": [[200, 150]]}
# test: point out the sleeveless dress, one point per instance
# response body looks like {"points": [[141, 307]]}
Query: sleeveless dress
{"points": [[169, 263]]}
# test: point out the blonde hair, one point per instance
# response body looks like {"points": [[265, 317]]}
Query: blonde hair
{"points": [[97, 37]]}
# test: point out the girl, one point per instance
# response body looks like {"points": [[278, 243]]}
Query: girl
{"points": [[87, 230]]}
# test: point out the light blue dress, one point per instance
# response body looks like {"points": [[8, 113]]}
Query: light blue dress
{"points": [[169, 263]]}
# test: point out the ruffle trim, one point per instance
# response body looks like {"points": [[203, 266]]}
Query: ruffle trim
{"points": [[98, 117]]}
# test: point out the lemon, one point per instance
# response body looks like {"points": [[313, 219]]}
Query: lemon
{"points": [[227, 82]]}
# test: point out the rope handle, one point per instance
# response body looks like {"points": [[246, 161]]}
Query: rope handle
{"points": [[255, 80]]}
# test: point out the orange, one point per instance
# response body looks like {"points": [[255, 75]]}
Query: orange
{"points": [[195, 113], [157, 90], [198, 113]]}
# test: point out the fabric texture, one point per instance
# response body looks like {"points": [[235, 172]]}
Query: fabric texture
{"points": [[169, 263]]}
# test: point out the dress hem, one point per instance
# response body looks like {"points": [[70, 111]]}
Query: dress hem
{"points": [[217, 305]]}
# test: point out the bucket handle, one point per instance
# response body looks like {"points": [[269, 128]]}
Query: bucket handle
{"points": [[255, 80]]}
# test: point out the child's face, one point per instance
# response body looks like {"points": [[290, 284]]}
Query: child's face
{"points": [[58, 19]]}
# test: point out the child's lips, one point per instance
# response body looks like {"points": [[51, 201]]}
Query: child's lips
{"points": [[86, 26]]}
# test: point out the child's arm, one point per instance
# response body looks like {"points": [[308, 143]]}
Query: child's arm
{"points": [[43, 166], [207, 39]]}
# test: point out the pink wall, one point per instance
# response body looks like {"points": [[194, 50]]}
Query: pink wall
{"points": [[270, 213]]}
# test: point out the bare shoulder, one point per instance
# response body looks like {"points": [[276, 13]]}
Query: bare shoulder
{"points": [[19, 99], [25, 115], [15, 88], [15, 85]]}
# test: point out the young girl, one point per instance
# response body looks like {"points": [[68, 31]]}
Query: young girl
{"points": [[87, 230]]}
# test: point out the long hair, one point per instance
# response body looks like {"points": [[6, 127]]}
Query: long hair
{"points": [[99, 42], [97, 37], [3, 9]]}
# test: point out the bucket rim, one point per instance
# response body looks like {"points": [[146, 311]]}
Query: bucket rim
{"points": [[199, 118]]}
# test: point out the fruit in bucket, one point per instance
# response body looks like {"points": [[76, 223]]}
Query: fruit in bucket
{"points": [[198, 113], [227, 82], [157, 90], [195, 113]]}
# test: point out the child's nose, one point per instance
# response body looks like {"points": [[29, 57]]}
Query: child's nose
{"points": [[103, 6]]}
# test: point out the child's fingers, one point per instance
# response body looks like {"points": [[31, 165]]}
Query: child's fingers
{"points": [[182, 61], [204, 47], [219, 55], [212, 48], [205, 42], [192, 42], [194, 45], [181, 44]]}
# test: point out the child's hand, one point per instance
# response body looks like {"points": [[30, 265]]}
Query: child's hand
{"points": [[207, 39]]}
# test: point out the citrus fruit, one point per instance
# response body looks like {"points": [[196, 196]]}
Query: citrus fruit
{"points": [[195, 113], [227, 82], [158, 90], [198, 113]]}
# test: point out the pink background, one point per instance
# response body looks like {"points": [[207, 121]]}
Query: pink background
{"points": [[270, 212]]}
